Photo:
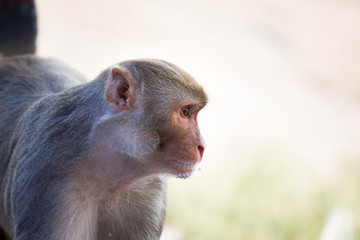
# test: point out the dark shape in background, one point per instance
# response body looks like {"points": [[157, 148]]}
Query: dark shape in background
{"points": [[18, 27]]}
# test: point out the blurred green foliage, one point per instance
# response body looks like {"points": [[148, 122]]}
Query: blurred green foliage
{"points": [[267, 198]]}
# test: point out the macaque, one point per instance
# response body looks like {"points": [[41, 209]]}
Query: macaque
{"points": [[89, 160]]}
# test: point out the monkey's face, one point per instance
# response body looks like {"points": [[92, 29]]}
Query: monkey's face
{"points": [[181, 145]]}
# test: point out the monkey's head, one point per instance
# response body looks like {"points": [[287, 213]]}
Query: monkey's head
{"points": [[156, 104]]}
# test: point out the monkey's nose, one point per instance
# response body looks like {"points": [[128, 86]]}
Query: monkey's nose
{"points": [[201, 150]]}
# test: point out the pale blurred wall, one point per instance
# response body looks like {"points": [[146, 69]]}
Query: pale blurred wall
{"points": [[277, 72]]}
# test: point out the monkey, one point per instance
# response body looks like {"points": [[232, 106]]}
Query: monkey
{"points": [[18, 27], [90, 160]]}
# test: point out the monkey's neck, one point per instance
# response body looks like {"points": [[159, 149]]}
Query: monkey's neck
{"points": [[111, 173]]}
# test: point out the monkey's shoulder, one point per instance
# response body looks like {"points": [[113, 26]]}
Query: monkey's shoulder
{"points": [[27, 84]]}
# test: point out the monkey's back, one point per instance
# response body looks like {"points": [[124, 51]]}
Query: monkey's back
{"points": [[23, 81]]}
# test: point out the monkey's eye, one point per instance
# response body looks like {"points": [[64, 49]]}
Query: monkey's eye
{"points": [[186, 112]]}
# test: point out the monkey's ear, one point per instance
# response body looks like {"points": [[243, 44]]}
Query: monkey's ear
{"points": [[120, 92]]}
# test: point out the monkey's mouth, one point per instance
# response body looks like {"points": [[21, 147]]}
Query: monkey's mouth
{"points": [[184, 169]]}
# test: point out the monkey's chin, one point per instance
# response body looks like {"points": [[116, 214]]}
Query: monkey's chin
{"points": [[185, 169], [184, 175]]}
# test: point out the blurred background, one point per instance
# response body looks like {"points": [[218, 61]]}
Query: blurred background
{"points": [[282, 124]]}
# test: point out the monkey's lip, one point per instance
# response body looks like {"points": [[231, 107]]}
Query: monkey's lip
{"points": [[185, 164]]}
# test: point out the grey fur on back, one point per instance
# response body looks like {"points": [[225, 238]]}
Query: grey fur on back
{"points": [[23, 81]]}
